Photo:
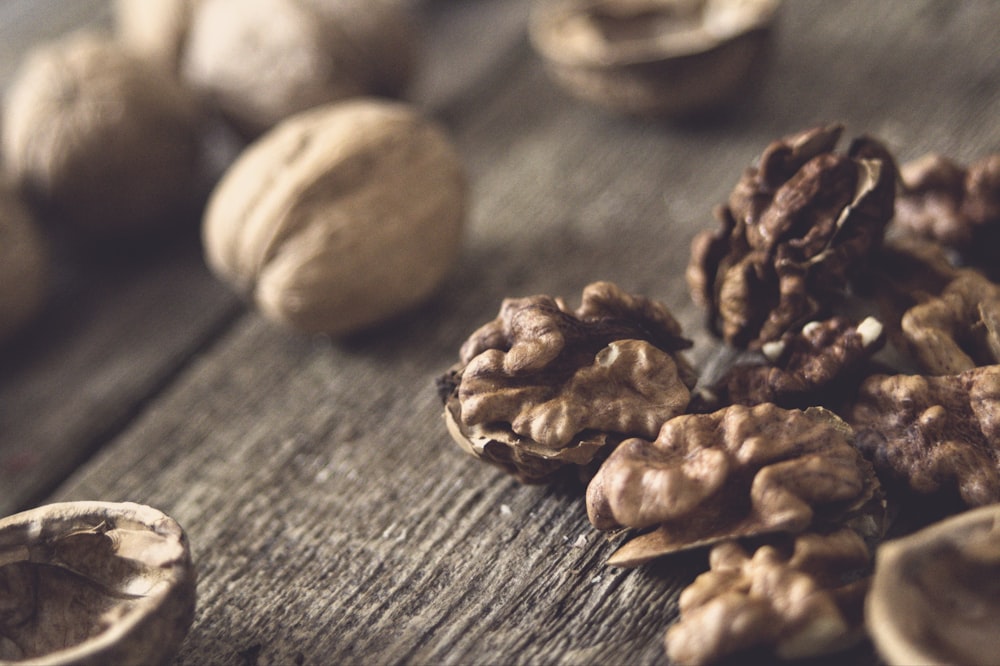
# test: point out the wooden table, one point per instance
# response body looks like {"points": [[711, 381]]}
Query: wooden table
{"points": [[331, 517]]}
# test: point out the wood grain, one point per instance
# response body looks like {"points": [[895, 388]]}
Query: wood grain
{"points": [[332, 519]]}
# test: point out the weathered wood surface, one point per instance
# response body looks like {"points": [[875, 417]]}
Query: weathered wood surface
{"points": [[332, 519]]}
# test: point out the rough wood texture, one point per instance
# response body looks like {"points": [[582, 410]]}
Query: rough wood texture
{"points": [[332, 519]]}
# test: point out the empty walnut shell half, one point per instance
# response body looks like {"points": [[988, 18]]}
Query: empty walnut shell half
{"points": [[935, 595], [653, 57], [93, 583]]}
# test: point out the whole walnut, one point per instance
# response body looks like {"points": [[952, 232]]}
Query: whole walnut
{"points": [[102, 139], [24, 264], [156, 30], [339, 217], [260, 61]]}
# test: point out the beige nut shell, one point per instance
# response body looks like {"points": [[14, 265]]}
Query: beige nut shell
{"points": [[104, 139], [94, 583], [340, 217], [935, 596], [24, 264]]}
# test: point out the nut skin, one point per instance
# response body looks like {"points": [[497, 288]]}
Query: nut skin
{"points": [[737, 472], [934, 595], [794, 228], [542, 386], [261, 61], [100, 138], [92, 583], [803, 368], [788, 597], [666, 58], [24, 264], [933, 436], [340, 217]]}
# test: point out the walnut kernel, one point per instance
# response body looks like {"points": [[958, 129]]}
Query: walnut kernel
{"points": [[339, 217]]}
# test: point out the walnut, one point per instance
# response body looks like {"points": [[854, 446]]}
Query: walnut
{"points": [[935, 597], [801, 368], [933, 435], [737, 472], [800, 597], [654, 57], [261, 61], [950, 204], [24, 264], [102, 139], [542, 386], [156, 30], [793, 229], [340, 217], [957, 330], [94, 583]]}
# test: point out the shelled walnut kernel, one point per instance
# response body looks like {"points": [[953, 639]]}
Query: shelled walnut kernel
{"points": [[543, 386]]}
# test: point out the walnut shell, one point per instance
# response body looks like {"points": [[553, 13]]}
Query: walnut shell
{"points": [[104, 139], [94, 583], [935, 596], [340, 217], [156, 30], [261, 61], [24, 264], [653, 57]]}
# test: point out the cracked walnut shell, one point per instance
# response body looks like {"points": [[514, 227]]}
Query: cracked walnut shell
{"points": [[935, 596], [794, 227], [798, 597], [102, 139], [737, 472], [654, 57], [542, 386], [92, 583], [934, 435], [340, 217]]}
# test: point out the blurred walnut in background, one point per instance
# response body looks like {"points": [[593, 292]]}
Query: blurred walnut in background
{"points": [[99, 138], [24, 264], [260, 61]]}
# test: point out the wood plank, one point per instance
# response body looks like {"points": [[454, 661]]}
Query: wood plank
{"points": [[120, 322], [332, 519]]}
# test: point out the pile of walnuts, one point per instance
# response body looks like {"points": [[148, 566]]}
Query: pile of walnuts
{"points": [[866, 389]]}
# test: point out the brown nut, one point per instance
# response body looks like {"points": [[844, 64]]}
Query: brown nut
{"points": [[801, 368], [93, 583], [948, 203], [738, 472], [24, 264], [794, 228], [340, 217], [798, 597], [935, 597], [653, 57], [104, 139], [542, 386], [957, 330], [933, 436], [261, 61]]}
